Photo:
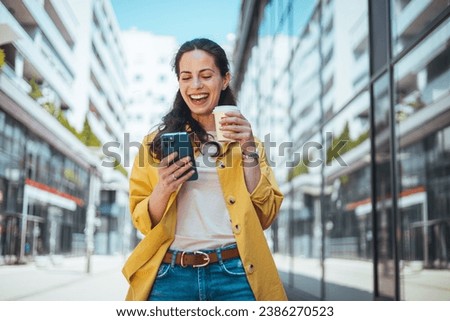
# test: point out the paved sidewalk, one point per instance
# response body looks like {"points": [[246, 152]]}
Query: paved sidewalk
{"points": [[65, 279]]}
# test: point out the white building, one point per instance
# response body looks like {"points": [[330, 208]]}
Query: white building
{"points": [[66, 54], [101, 86], [152, 82]]}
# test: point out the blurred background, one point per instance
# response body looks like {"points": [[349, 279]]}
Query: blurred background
{"points": [[352, 98]]}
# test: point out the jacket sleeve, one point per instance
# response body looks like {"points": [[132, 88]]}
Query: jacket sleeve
{"points": [[140, 189], [266, 197]]}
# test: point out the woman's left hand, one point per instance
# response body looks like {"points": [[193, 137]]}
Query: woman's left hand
{"points": [[237, 128]]}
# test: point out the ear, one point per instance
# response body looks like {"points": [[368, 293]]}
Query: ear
{"points": [[226, 80]]}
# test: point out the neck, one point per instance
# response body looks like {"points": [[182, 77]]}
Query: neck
{"points": [[207, 121]]}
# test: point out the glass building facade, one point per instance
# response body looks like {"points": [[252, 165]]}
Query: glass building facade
{"points": [[62, 96], [352, 99], [57, 192]]}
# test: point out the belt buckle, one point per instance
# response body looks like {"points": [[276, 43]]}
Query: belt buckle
{"points": [[205, 257], [182, 259]]}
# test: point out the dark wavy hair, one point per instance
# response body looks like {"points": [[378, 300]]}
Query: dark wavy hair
{"points": [[179, 118]]}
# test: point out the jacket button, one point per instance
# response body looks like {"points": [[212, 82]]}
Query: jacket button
{"points": [[221, 164], [236, 229], [250, 268], [231, 200]]}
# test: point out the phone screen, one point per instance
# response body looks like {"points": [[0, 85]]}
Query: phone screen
{"points": [[180, 142]]}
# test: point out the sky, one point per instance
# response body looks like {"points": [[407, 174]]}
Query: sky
{"points": [[184, 19]]}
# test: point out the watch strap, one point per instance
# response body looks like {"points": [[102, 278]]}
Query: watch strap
{"points": [[250, 155]]}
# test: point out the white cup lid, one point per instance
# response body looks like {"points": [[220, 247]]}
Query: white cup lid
{"points": [[224, 108]]}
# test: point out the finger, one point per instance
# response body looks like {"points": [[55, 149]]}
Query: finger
{"points": [[178, 164], [184, 178], [238, 136], [235, 128], [230, 120], [183, 161], [168, 159], [235, 121], [179, 175], [180, 171], [234, 113]]}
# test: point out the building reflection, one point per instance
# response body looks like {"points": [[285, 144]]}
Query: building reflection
{"points": [[367, 207]]}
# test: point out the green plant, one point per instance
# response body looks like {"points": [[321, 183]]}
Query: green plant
{"points": [[87, 136], [35, 92], [300, 169], [343, 143], [120, 168], [2, 58], [340, 144], [70, 175], [63, 120], [51, 108]]}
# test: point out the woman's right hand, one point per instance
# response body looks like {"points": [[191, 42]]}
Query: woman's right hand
{"points": [[171, 173], [170, 178]]}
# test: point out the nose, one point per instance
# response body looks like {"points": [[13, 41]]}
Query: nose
{"points": [[197, 83]]}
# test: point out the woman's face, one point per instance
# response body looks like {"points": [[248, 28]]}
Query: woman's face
{"points": [[200, 82]]}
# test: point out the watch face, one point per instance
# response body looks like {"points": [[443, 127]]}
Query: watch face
{"points": [[211, 149]]}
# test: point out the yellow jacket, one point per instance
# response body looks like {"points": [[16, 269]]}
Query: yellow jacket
{"points": [[249, 213]]}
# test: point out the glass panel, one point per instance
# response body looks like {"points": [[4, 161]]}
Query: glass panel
{"points": [[410, 18], [305, 220], [348, 210], [383, 176], [422, 97], [378, 35], [2, 129], [345, 52]]}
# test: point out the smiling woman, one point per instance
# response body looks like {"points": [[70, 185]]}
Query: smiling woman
{"points": [[203, 73], [204, 238], [201, 84]]}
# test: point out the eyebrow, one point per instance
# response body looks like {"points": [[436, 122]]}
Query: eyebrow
{"points": [[206, 69]]}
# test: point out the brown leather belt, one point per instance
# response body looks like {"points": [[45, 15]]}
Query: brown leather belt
{"points": [[199, 258]]}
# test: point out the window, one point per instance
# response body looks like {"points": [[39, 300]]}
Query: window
{"points": [[412, 18], [422, 127]]}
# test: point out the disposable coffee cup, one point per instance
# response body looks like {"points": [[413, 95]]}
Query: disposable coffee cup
{"points": [[219, 113]]}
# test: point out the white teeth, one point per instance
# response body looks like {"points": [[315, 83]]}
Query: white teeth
{"points": [[199, 96]]}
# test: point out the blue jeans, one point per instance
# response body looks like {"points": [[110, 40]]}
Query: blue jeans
{"points": [[220, 281]]}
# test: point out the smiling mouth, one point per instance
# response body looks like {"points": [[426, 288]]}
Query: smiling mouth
{"points": [[198, 98]]}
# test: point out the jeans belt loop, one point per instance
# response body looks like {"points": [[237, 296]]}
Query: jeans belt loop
{"points": [[174, 258], [219, 255]]}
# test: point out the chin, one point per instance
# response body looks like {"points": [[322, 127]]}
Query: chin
{"points": [[201, 111]]}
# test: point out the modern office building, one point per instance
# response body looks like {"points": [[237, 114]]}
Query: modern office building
{"points": [[152, 84], [61, 97], [101, 87], [356, 97]]}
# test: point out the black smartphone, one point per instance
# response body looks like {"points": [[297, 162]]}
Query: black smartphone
{"points": [[179, 142]]}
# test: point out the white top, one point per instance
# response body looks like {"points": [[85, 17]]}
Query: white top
{"points": [[203, 221]]}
